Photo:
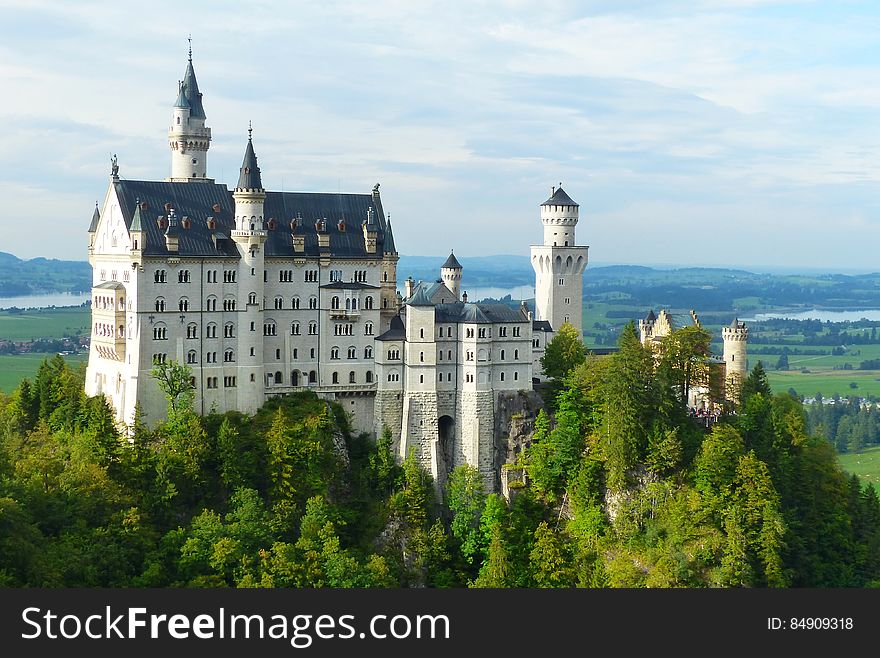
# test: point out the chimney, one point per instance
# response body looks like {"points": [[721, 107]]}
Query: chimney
{"points": [[409, 287], [464, 296]]}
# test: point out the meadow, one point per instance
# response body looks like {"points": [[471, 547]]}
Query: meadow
{"points": [[44, 323], [865, 464], [15, 367]]}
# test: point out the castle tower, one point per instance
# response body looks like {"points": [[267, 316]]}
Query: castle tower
{"points": [[559, 264], [735, 338], [188, 137], [249, 236], [450, 273]]}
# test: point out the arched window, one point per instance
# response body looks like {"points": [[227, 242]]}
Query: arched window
{"points": [[348, 304], [211, 330], [313, 302], [421, 333], [351, 377], [294, 304], [229, 330], [192, 356], [368, 352], [294, 378], [269, 328], [368, 329], [313, 328], [183, 305], [368, 302], [252, 298], [352, 352], [502, 376], [279, 303], [335, 378], [502, 355], [228, 356], [279, 378], [294, 329], [192, 330], [313, 377], [211, 303], [516, 355], [160, 304], [369, 376], [334, 303], [334, 352]]}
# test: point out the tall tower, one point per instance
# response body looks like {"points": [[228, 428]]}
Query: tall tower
{"points": [[559, 264], [188, 136], [450, 273], [735, 338], [250, 235]]}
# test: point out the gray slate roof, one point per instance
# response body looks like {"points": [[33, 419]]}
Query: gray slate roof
{"points": [[197, 200], [96, 217], [559, 198], [190, 88], [541, 325], [249, 178], [419, 298], [396, 330], [478, 313], [452, 262]]}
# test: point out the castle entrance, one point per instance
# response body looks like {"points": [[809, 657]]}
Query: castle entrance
{"points": [[446, 435]]}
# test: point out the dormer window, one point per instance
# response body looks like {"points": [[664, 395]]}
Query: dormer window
{"points": [[211, 223], [341, 225], [271, 224]]}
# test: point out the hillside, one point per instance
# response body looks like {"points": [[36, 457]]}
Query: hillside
{"points": [[42, 275]]}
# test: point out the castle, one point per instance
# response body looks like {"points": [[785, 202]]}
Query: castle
{"points": [[265, 293], [731, 368]]}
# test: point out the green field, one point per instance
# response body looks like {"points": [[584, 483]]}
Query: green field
{"points": [[865, 464], [15, 367], [44, 323]]}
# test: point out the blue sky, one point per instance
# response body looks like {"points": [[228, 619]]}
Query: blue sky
{"points": [[711, 132]]}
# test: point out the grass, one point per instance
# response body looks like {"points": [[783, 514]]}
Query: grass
{"points": [[15, 367], [865, 464], [826, 382], [44, 323]]}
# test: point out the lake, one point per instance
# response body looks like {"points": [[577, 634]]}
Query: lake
{"points": [[817, 314], [44, 301], [520, 292]]}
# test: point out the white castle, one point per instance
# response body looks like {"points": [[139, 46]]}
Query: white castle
{"points": [[265, 293]]}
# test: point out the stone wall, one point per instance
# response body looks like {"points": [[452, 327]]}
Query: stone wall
{"points": [[388, 411]]}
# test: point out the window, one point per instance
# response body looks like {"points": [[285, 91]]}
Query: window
{"points": [[294, 378], [393, 355], [295, 354], [229, 382], [502, 355], [252, 298], [351, 377], [369, 376], [160, 276], [352, 353], [313, 302], [294, 304], [253, 351], [561, 281], [469, 333], [421, 333], [335, 378], [469, 378], [516, 355], [212, 275], [294, 329], [568, 300], [277, 354], [160, 305], [192, 330], [440, 355], [515, 375], [334, 352], [211, 330], [313, 377], [334, 303], [228, 356], [253, 326], [269, 329], [449, 354], [228, 276], [368, 352], [502, 376], [421, 379], [516, 332], [279, 303], [211, 303], [210, 357], [312, 353], [183, 305], [229, 330], [368, 329], [160, 332], [183, 276], [311, 276], [313, 328], [211, 382], [469, 356], [502, 331], [482, 332], [228, 304], [422, 357], [368, 302], [335, 275], [536, 342], [159, 358]]}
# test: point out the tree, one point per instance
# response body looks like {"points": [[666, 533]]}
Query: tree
{"points": [[564, 352], [756, 382], [466, 499], [384, 469], [175, 380], [782, 362], [550, 559], [496, 570]]}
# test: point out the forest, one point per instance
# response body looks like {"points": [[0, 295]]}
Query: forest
{"points": [[619, 488]]}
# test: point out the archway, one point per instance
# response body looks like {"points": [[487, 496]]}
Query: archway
{"points": [[446, 436]]}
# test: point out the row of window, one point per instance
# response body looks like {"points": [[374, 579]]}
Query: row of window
{"points": [[105, 302], [229, 304], [352, 352], [125, 276], [394, 376], [482, 355], [107, 331]]}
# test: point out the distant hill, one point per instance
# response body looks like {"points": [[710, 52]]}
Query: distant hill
{"points": [[42, 275]]}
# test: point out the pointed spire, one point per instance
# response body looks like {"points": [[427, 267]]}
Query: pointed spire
{"points": [[451, 262], [182, 100], [249, 178], [96, 217], [389, 238], [190, 88], [136, 224]]}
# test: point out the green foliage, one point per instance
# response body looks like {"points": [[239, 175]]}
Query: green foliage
{"points": [[564, 352], [466, 499]]}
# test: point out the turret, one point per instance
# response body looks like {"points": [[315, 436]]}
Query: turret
{"points": [[249, 194], [450, 273], [735, 337], [188, 137], [559, 215]]}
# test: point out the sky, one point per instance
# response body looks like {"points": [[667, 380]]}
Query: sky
{"points": [[736, 133]]}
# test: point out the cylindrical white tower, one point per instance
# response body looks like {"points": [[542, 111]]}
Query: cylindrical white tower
{"points": [[735, 338], [559, 214], [188, 137], [450, 274]]}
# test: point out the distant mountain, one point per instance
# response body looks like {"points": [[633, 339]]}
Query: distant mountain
{"points": [[42, 275]]}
